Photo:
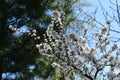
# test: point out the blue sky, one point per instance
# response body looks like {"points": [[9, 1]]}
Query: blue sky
{"points": [[99, 15], [96, 6], [106, 4]]}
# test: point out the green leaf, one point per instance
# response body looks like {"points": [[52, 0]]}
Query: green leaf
{"points": [[58, 75]]}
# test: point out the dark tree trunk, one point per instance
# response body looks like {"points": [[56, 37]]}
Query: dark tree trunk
{"points": [[1, 67], [3, 35]]}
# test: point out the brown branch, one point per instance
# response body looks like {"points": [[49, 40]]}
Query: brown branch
{"points": [[118, 12], [104, 12], [86, 75], [93, 18], [112, 3], [115, 31], [98, 70], [114, 39]]}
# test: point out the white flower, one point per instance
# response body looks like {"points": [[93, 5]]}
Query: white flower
{"points": [[54, 64], [34, 31], [37, 45], [33, 34], [38, 37], [10, 26], [18, 30], [15, 29]]}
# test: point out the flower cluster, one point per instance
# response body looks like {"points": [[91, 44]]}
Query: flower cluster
{"points": [[32, 33], [73, 54], [13, 28], [68, 52], [58, 19]]}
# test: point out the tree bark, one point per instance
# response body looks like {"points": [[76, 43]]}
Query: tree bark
{"points": [[1, 67], [3, 33]]}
